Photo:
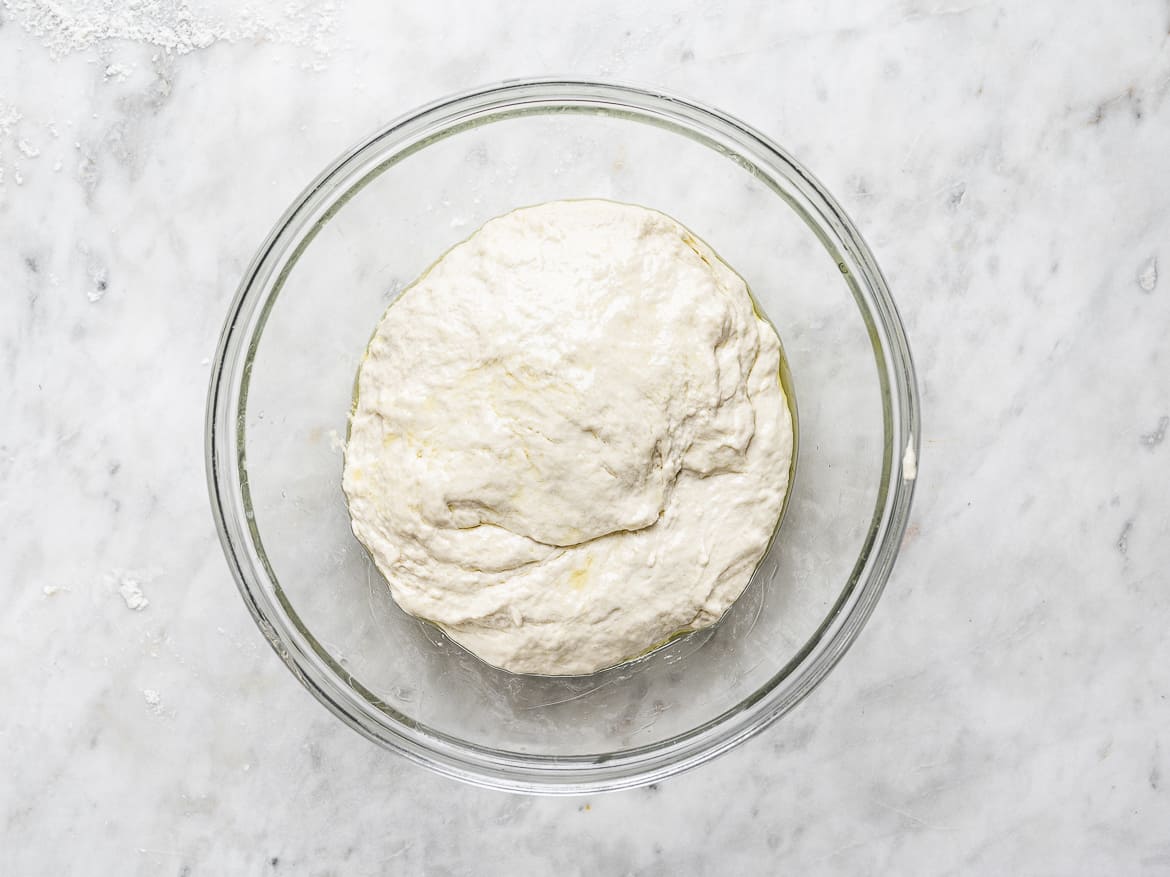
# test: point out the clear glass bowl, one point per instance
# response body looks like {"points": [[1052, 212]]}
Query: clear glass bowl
{"points": [[281, 391]]}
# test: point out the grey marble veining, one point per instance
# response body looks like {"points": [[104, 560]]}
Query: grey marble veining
{"points": [[1005, 710]]}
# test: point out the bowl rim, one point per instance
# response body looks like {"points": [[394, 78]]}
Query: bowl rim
{"points": [[227, 470]]}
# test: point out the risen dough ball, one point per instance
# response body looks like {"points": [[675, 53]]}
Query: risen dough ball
{"points": [[570, 441]]}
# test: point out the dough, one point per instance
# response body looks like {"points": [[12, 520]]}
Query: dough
{"points": [[569, 441]]}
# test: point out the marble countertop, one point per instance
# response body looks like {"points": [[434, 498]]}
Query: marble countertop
{"points": [[1005, 710]]}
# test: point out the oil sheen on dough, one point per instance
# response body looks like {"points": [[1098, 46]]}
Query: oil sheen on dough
{"points": [[570, 441]]}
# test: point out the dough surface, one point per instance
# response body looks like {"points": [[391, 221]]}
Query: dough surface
{"points": [[569, 440]]}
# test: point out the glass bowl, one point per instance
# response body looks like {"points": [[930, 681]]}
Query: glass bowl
{"points": [[281, 391]]}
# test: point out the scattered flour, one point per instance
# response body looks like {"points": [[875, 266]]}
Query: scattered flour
{"points": [[100, 284], [117, 72], [1153, 439], [50, 590], [131, 592], [9, 116], [1148, 277], [178, 26], [153, 700]]}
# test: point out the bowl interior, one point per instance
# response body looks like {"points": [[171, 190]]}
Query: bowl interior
{"points": [[382, 226]]}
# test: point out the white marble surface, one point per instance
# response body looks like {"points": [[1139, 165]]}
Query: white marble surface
{"points": [[1005, 711]]}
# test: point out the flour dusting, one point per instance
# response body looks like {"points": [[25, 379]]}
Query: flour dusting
{"points": [[178, 26], [1148, 277], [131, 592], [153, 700], [117, 72], [9, 116]]}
